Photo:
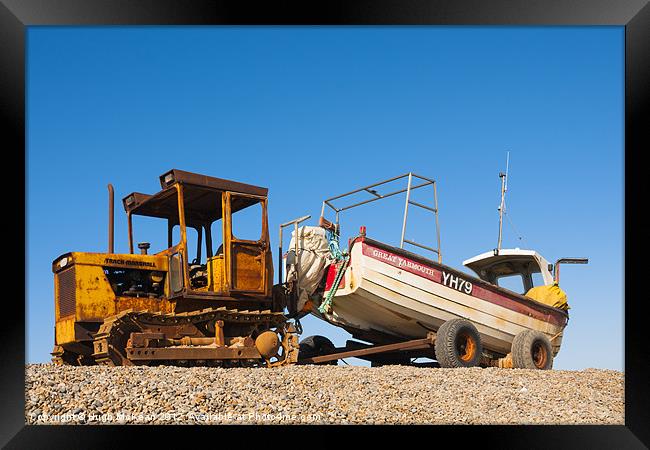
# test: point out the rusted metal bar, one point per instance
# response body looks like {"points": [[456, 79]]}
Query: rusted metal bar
{"points": [[556, 270], [296, 242], [423, 206], [144, 339], [295, 222], [280, 269], [435, 205], [238, 341], [181, 223], [159, 340], [424, 178], [408, 345], [199, 242], [300, 219], [130, 228], [406, 208], [379, 198], [218, 333], [186, 340], [388, 357], [330, 205], [208, 353], [367, 187], [373, 192], [111, 218]]}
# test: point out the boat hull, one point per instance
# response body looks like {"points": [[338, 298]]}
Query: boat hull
{"points": [[389, 294]]}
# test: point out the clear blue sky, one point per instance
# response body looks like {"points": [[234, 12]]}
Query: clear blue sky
{"points": [[311, 112]]}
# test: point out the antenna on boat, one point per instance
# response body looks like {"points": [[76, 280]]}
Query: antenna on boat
{"points": [[504, 189]]}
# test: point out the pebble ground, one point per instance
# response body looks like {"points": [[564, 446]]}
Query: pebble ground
{"points": [[320, 395]]}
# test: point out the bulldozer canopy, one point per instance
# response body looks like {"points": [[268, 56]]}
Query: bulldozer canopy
{"points": [[201, 197]]}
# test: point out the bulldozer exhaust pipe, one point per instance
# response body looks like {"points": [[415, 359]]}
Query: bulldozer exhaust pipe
{"points": [[111, 210]]}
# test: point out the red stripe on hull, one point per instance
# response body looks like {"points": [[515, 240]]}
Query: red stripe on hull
{"points": [[403, 263]]}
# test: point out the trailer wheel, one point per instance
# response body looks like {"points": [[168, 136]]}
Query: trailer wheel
{"points": [[532, 350], [458, 344], [317, 346]]}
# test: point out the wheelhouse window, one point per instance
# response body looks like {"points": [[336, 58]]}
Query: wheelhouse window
{"points": [[513, 283], [538, 279]]}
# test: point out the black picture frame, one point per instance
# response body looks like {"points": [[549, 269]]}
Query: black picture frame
{"points": [[634, 15]]}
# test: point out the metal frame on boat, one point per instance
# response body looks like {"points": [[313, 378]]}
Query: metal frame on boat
{"points": [[372, 190]]}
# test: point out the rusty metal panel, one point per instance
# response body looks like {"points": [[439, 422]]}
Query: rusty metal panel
{"points": [[248, 270], [175, 176], [95, 299], [134, 199], [216, 273], [67, 291], [64, 331]]}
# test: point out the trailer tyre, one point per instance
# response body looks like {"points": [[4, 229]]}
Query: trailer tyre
{"points": [[458, 344], [317, 346], [531, 349]]}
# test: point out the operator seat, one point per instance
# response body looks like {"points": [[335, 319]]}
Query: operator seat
{"points": [[198, 274]]}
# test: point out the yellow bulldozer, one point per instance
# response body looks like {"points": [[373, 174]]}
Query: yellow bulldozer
{"points": [[142, 309]]}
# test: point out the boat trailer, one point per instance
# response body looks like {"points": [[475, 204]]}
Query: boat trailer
{"points": [[399, 351], [396, 353]]}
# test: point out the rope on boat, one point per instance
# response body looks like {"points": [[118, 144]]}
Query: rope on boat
{"points": [[333, 243], [338, 255], [326, 305]]}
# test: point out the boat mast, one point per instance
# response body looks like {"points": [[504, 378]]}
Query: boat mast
{"points": [[504, 189]]}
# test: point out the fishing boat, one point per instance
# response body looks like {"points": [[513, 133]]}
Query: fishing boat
{"points": [[382, 293]]}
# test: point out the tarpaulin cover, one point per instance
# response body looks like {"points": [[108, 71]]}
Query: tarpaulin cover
{"points": [[313, 258], [549, 295]]}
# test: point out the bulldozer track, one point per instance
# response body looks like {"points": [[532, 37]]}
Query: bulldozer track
{"points": [[112, 336], [61, 356]]}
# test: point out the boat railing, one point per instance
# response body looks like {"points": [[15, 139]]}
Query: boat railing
{"points": [[413, 182]]}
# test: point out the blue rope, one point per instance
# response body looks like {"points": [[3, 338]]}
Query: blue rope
{"points": [[333, 243]]}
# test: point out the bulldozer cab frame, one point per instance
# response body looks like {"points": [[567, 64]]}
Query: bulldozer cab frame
{"points": [[239, 267]]}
